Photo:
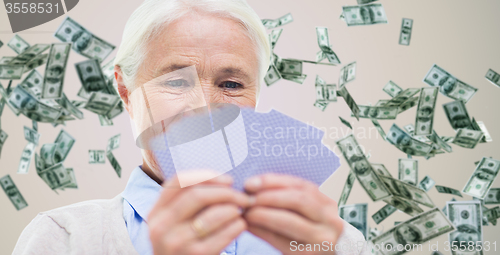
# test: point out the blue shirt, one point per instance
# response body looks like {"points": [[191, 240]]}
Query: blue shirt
{"points": [[141, 194]]}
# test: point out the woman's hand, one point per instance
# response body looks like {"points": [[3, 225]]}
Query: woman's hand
{"points": [[286, 209], [199, 219]]}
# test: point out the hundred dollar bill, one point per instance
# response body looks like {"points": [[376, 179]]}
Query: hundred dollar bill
{"points": [[436, 139], [380, 169], [427, 183], [406, 143], [467, 138], [404, 190], [403, 97], [410, 128], [493, 214], [104, 120], [78, 103], [408, 171], [3, 138], [321, 105], [96, 157], [43, 113], [493, 77], [113, 142], [482, 128], [343, 92], [21, 100], [12, 192], [114, 163], [49, 155], [294, 77], [33, 83], [378, 112], [72, 184], [289, 66], [383, 213], [364, 14], [108, 69], [325, 92], [29, 54], [356, 215], [274, 23], [449, 85], [392, 89], [18, 44], [467, 218], [101, 103], [482, 178], [492, 197], [457, 115], [372, 233], [39, 163], [408, 104], [360, 2], [55, 71], [345, 122], [379, 128], [26, 156], [405, 35], [272, 75], [273, 37], [447, 190], [9, 72], [347, 74], [64, 143], [66, 104], [5, 60], [117, 110], [37, 61], [417, 230], [84, 42], [425, 111], [324, 45], [31, 135], [363, 170], [56, 176], [445, 208], [347, 188], [90, 75]]}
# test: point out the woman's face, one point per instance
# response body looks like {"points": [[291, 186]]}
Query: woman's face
{"points": [[216, 51]]}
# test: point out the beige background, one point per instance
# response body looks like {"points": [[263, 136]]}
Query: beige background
{"points": [[460, 36]]}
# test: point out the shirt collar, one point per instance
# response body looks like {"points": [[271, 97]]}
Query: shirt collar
{"points": [[141, 192]]}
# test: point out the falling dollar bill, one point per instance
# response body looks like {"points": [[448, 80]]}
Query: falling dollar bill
{"points": [[492, 197], [343, 92], [408, 171], [493, 77], [383, 213], [37, 61], [435, 138], [345, 122], [427, 183], [482, 178], [445, 208], [56, 176], [64, 143], [404, 190], [274, 23], [66, 104], [449, 85], [29, 54], [380, 169], [405, 35], [363, 170], [325, 92], [378, 112], [392, 89], [403, 97], [114, 163], [55, 71], [425, 111], [406, 143], [31, 135], [447, 190], [96, 157], [18, 44], [320, 105], [272, 75], [113, 142], [467, 138], [493, 214], [108, 69], [324, 45], [356, 215], [84, 42], [9, 72], [457, 115], [3, 138], [12, 192], [417, 230], [90, 75], [102, 103], [347, 188], [347, 74], [364, 14], [372, 233], [379, 128], [104, 121], [274, 36], [482, 128], [408, 104], [467, 218], [26, 156], [33, 83], [5, 60]]}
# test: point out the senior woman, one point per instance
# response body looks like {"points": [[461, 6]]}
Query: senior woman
{"points": [[225, 41]]}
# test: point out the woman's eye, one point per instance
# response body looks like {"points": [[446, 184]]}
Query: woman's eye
{"points": [[230, 85]]}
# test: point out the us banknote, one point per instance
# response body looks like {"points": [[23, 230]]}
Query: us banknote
{"points": [[408, 171], [493, 77], [406, 143], [12, 192], [405, 34], [26, 156], [114, 163], [378, 112], [467, 218], [425, 111], [356, 215], [91, 75], [324, 45], [29, 54], [368, 14], [343, 92], [96, 157], [113, 142], [447, 190], [426, 183], [482, 178], [380, 169], [347, 74], [449, 85], [383, 213], [351, 178], [467, 138], [8, 72], [457, 115], [274, 23], [55, 71], [492, 197], [18, 44], [392, 89], [404, 190]]}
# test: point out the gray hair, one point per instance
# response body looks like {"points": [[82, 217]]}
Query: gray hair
{"points": [[144, 24]]}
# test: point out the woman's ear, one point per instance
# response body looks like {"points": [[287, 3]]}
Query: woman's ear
{"points": [[122, 90]]}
